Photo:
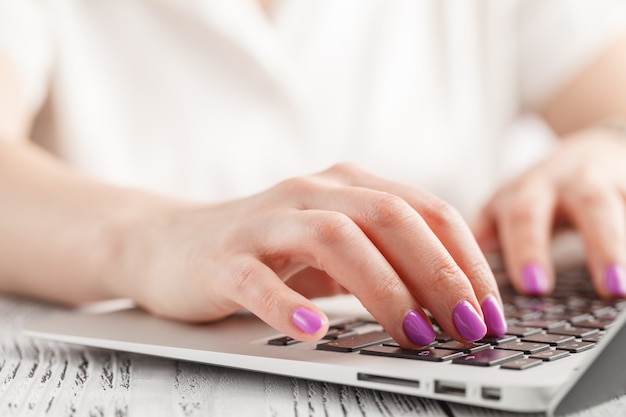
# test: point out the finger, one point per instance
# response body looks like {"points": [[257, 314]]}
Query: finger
{"points": [[457, 238], [456, 252], [332, 242], [485, 229], [256, 287], [400, 237], [599, 214], [525, 216]]}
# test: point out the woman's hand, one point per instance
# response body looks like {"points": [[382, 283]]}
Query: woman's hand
{"points": [[396, 248], [582, 184]]}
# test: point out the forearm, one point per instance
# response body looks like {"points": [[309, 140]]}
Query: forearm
{"points": [[596, 95], [62, 236]]}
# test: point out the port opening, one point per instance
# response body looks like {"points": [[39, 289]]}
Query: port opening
{"points": [[388, 380], [490, 393], [450, 388]]}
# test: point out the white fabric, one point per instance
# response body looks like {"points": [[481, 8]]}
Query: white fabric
{"points": [[23, 36], [211, 99]]}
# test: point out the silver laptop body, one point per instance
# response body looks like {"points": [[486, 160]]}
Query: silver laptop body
{"points": [[241, 341]]}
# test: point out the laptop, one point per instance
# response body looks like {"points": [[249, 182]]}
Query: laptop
{"points": [[563, 353]]}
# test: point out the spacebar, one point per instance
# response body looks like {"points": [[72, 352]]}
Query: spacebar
{"points": [[356, 342]]}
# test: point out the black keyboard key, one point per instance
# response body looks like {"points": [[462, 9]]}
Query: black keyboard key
{"points": [[576, 317], [543, 324], [572, 317], [523, 315], [549, 355], [522, 331], [431, 355], [611, 316], [600, 308], [579, 332], [526, 347], [395, 344], [356, 342], [620, 305], [593, 339], [550, 339], [463, 347], [595, 324], [282, 341], [442, 337], [576, 347], [350, 324], [511, 322], [337, 333], [521, 364], [489, 357], [497, 340], [577, 303]]}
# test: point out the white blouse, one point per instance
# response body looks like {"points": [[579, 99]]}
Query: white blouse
{"points": [[213, 99]]}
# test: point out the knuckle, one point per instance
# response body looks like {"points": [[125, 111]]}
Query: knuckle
{"points": [[248, 289], [269, 301], [346, 172], [332, 228], [444, 273], [387, 209], [439, 213], [244, 277], [296, 185], [385, 291], [479, 269], [345, 169]]}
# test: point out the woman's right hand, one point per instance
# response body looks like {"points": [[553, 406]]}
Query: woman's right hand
{"points": [[398, 249]]}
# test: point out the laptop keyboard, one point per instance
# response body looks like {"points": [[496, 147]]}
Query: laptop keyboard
{"points": [[540, 330]]}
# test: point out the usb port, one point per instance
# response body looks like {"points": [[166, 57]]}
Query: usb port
{"points": [[450, 388], [489, 393]]}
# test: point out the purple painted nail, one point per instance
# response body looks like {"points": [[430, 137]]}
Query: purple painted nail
{"points": [[535, 279], [616, 280], [494, 317], [306, 320], [418, 329], [468, 323]]}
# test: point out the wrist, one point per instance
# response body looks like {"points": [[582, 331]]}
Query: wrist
{"points": [[132, 237]]}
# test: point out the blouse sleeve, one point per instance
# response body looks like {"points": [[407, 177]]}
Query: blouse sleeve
{"points": [[559, 38], [26, 43]]}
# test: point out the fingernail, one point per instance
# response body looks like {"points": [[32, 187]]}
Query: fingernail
{"points": [[535, 279], [494, 317], [306, 320], [468, 323], [616, 280], [418, 329]]}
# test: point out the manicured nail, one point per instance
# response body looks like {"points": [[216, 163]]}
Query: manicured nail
{"points": [[418, 329], [494, 317], [535, 279], [306, 320], [616, 280], [468, 323]]}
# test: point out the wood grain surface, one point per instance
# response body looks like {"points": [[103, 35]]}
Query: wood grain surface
{"points": [[40, 378]]}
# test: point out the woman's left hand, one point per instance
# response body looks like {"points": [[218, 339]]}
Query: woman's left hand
{"points": [[582, 184]]}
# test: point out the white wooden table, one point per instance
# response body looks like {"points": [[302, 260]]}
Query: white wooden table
{"points": [[39, 378]]}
